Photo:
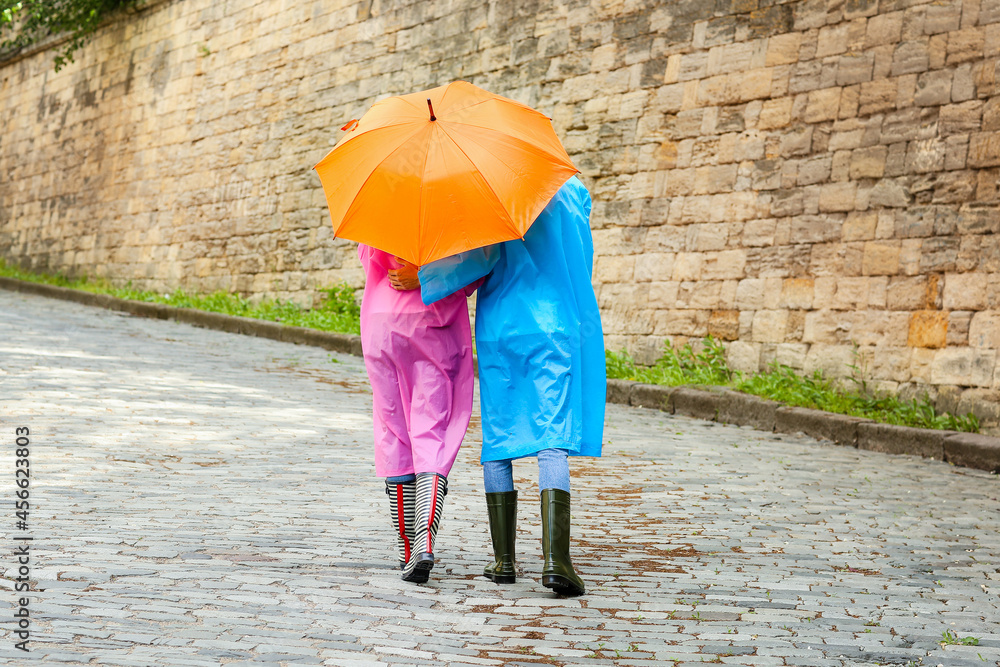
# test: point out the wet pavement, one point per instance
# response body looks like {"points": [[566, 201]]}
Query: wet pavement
{"points": [[203, 498]]}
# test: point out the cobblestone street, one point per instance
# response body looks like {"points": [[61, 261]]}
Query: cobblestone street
{"points": [[203, 498]]}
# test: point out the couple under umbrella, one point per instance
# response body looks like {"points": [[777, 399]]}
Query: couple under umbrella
{"points": [[449, 191]]}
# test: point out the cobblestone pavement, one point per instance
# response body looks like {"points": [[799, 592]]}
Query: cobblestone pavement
{"points": [[202, 498]]}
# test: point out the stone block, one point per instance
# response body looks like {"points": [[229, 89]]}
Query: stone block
{"points": [[775, 114], [984, 330], [963, 85], [700, 295], [965, 291], [688, 266], [893, 439], [719, 90], [663, 294], [911, 57], [747, 410], [928, 328], [925, 156], [961, 118], [942, 18], [724, 324], [984, 149], [855, 68], [832, 40], [984, 404], [611, 269], [676, 322], [989, 12], [822, 105], [963, 366], [818, 424], [884, 29], [966, 45], [850, 98], [868, 162], [890, 193], [652, 396], [724, 265], [693, 66], [860, 226], [836, 197], [815, 169], [991, 116], [783, 49], [973, 450], [769, 326], [653, 266], [731, 57], [958, 328], [877, 96], [815, 229], [750, 294], [797, 293], [698, 403], [933, 88], [619, 391], [755, 84], [881, 258]]}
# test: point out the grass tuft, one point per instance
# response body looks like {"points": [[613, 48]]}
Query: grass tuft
{"points": [[339, 312], [781, 383]]}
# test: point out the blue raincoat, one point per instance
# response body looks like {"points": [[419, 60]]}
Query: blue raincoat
{"points": [[542, 374]]}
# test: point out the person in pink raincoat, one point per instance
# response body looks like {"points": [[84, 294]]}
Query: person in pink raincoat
{"points": [[419, 362]]}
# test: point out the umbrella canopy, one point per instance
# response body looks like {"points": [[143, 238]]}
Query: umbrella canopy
{"points": [[431, 174]]}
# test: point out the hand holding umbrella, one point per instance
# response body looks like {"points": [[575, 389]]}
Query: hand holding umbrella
{"points": [[404, 278]]}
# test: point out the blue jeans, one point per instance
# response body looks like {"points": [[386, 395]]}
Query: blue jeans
{"points": [[553, 472]]}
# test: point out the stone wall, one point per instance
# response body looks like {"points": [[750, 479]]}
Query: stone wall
{"points": [[813, 181]]}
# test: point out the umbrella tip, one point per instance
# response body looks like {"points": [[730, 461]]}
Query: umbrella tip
{"points": [[430, 107]]}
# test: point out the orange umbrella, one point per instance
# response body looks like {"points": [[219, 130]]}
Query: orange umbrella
{"points": [[435, 173]]}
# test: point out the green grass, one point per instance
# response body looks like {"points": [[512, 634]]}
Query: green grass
{"points": [[338, 312], [953, 639], [780, 383]]}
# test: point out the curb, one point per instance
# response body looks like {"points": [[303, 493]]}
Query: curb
{"points": [[725, 406]]}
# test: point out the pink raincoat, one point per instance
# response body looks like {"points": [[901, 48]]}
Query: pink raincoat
{"points": [[419, 361]]}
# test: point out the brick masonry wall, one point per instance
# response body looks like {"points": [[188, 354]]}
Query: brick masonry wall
{"points": [[814, 182]]}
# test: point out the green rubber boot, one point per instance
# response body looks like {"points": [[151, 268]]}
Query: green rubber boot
{"points": [[502, 510], [558, 573]]}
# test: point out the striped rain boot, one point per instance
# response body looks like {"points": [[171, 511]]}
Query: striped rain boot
{"points": [[431, 490], [402, 496]]}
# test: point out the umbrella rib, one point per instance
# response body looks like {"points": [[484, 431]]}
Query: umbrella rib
{"points": [[491, 129], [420, 203], [374, 129], [350, 207], [488, 184], [511, 169], [498, 98]]}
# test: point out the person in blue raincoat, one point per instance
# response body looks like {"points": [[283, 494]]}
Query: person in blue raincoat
{"points": [[542, 373]]}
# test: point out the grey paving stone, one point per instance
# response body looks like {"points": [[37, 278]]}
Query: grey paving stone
{"points": [[205, 497]]}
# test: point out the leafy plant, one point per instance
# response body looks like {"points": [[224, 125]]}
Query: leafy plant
{"points": [[951, 638], [27, 22], [676, 367]]}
